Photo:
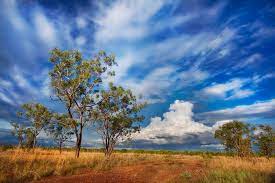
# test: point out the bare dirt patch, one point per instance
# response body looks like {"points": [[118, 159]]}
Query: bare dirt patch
{"points": [[155, 171]]}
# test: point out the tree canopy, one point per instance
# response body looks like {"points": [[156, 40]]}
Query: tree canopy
{"points": [[265, 140], [37, 116], [236, 137], [75, 81], [117, 115]]}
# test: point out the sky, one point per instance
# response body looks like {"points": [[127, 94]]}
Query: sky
{"points": [[198, 63]]}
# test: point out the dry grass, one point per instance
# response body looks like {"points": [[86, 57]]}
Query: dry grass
{"points": [[24, 166], [238, 170], [20, 165], [252, 164]]}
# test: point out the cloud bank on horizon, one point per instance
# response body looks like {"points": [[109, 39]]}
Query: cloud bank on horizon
{"points": [[177, 127], [218, 55]]}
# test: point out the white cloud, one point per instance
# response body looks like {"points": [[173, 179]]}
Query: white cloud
{"points": [[261, 31], [46, 88], [241, 93], [257, 78], [176, 127], [253, 58], [6, 99], [21, 80], [215, 146], [5, 83], [125, 20], [219, 123], [249, 61], [10, 9], [223, 38], [5, 124], [155, 83], [232, 89], [81, 22], [8, 93], [124, 25], [261, 108], [192, 76], [45, 29], [177, 47], [80, 40]]}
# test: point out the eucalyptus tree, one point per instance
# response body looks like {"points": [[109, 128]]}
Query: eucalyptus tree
{"points": [[75, 81], [18, 130], [38, 117], [117, 116], [236, 137], [265, 140], [60, 129]]}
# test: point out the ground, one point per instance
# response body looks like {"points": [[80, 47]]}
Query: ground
{"points": [[154, 171], [45, 166]]}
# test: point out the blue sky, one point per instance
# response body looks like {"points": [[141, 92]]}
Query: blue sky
{"points": [[198, 63]]}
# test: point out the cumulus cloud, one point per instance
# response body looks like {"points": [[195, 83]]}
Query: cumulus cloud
{"points": [[177, 127], [163, 48]]}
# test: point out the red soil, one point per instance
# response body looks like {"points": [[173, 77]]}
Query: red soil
{"points": [[164, 171]]}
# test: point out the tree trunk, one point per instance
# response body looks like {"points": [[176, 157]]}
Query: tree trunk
{"points": [[108, 150], [78, 143], [19, 143], [34, 142], [60, 147], [77, 149]]}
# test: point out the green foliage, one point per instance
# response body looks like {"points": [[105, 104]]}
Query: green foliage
{"points": [[236, 137], [265, 139], [75, 81], [37, 116], [117, 115], [60, 129], [18, 130]]}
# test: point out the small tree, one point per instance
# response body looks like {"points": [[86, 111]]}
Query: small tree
{"points": [[117, 116], [75, 81], [265, 139], [38, 116], [235, 136], [60, 129], [19, 132]]}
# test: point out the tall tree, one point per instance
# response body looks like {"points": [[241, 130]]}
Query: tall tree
{"points": [[117, 116], [265, 139], [60, 129], [236, 137], [38, 116], [18, 131], [75, 81]]}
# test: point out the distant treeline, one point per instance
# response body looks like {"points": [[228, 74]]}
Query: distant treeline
{"points": [[143, 151]]}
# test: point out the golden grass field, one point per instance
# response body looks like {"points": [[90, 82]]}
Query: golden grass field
{"points": [[49, 166]]}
